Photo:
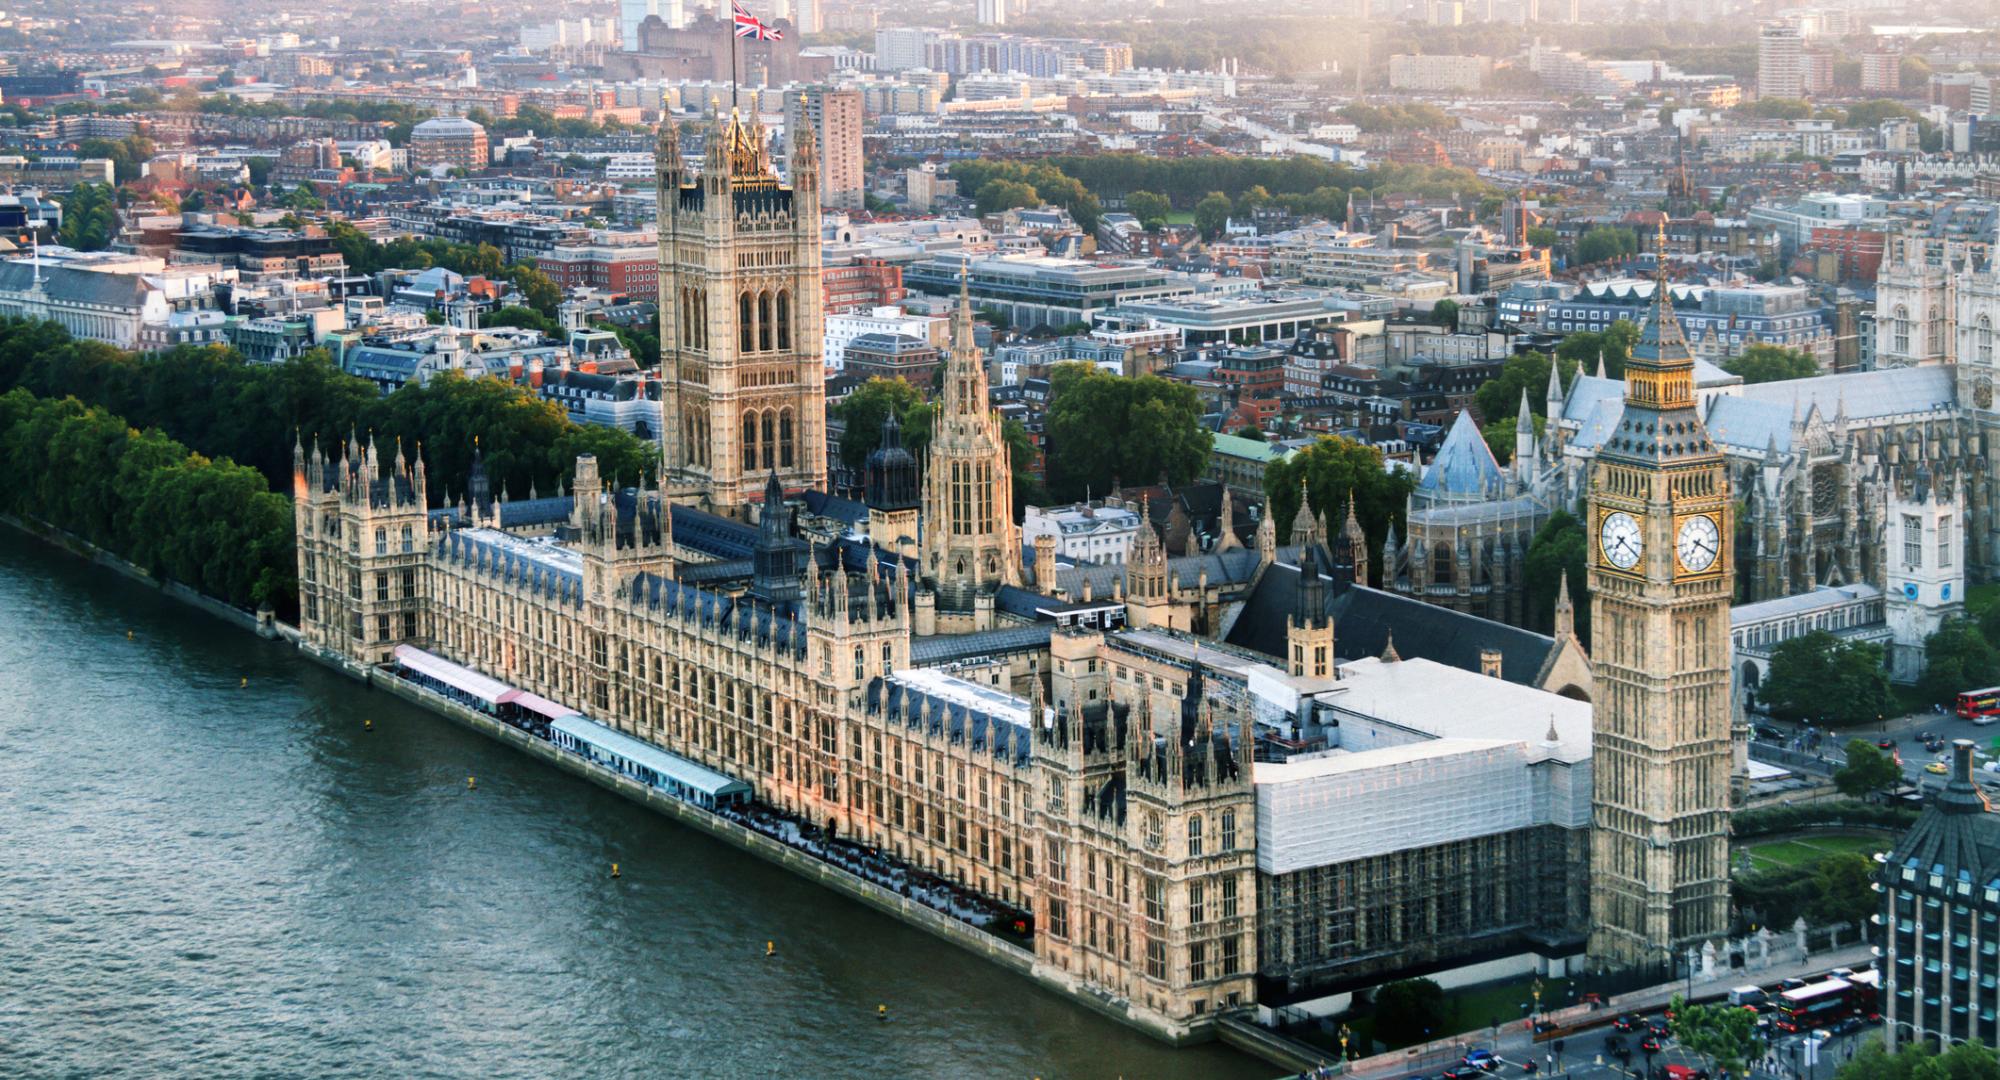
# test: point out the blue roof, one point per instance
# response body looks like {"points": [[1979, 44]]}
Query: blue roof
{"points": [[712, 534], [1464, 467], [672, 766]]}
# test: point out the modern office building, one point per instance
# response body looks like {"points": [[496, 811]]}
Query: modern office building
{"points": [[1781, 64], [1031, 291], [449, 141]]}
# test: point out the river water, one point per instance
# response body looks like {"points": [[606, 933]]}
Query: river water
{"points": [[204, 878]]}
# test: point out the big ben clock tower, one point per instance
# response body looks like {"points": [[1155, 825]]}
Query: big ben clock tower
{"points": [[1661, 574]]}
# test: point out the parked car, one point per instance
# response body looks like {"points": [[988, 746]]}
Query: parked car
{"points": [[1464, 1072]]}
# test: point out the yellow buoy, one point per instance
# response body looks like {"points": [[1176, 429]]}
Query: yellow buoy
{"points": [[128, 635], [770, 948], [368, 725], [614, 869], [245, 681], [470, 784], [881, 1012]]}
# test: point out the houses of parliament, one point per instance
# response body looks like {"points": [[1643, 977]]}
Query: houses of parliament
{"points": [[1205, 781]]}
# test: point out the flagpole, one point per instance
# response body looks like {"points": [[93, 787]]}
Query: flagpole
{"points": [[733, 39]]}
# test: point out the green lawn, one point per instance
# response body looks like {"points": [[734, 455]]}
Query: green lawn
{"points": [[1180, 217], [1804, 852]]}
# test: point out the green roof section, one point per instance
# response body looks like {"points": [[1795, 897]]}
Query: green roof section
{"points": [[1237, 446]]}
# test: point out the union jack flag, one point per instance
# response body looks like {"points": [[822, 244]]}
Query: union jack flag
{"points": [[750, 26]]}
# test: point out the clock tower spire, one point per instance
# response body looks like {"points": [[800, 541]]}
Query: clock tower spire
{"points": [[1661, 577]]}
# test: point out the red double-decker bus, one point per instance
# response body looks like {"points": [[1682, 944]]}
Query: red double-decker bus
{"points": [[1819, 1004], [1979, 704]]}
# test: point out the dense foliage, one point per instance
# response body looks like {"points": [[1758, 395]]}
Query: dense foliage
{"points": [[1958, 657], [1103, 430], [1335, 471], [364, 256], [1725, 1035], [1523, 373], [1830, 813], [1558, 551], [863, 412], [1002, 185], [1820, 677], [210, 524], [1770, 363], [1832, 889], [251, 413], [1605, 242], [1914, 1059], [1409, 1011], [1866, 771], [90, 217]]}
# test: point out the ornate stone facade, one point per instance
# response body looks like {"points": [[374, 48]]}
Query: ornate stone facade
{"points": [[1661, 577], [744, 389]]}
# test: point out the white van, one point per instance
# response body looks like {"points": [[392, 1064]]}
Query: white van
{"points": [[1748, 996]]}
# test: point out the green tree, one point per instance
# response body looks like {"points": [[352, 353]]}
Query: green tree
{"points": [[1605, 242], [90, 217], [1557, 552], [1723, 1034], [1158, 424], [1818, 676], [1579, 351], [1770, 363], [1211, 214], [1151, 209], [1022, 456], [1915, 1060], [1409, 1011], [524, 318], [1252, 200], [1252, 432], [1776, 108], [540, 290], [1522, 373], [1499, 434], [863, 412], [1842, 889], [1957, 658], [1867, 770], [1868, 114], [1336, 471], [303, 197], [1445, 313], [996, 196], [1542, 236]]}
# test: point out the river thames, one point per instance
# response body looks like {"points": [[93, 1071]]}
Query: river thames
{"points": [[205, 878]]}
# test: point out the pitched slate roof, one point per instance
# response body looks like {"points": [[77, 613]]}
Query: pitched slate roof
{"points": [[1364, 620]]}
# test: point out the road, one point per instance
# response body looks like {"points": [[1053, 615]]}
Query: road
{"points": [[1903, 732], [1585, 1057]]}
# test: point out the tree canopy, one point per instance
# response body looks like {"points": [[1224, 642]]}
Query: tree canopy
{"points": [[1558, 550], [1409, 1011], [1103, 429], [1866, 771], [210, 524], [1150, 208], [1915, 1060], [1818, 676], [863, 412], [1528, 373], [90, 217], [1605, 242], [251, 413], [1723, 1034], [1211, 214], [1579, 351], [1333, 471], [1958, 657], [1771, 363]]}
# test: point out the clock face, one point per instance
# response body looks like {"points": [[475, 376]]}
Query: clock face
{"points": [[1619, 540], [1697, 543]]}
